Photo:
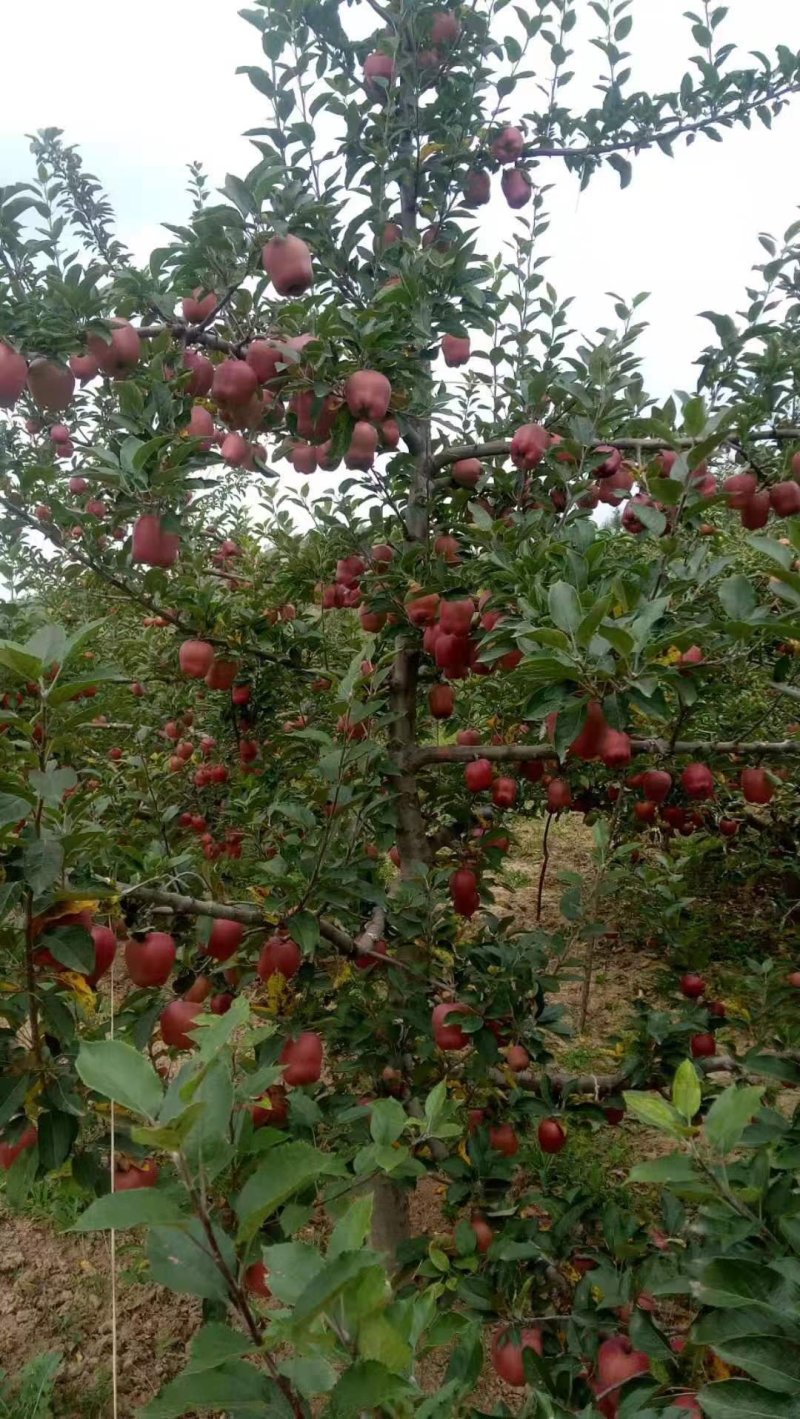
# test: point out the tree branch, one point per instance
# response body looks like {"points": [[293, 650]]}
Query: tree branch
{"points": [[647, 138], [524, 753], [561, 1083], [179, 903], [500, 448]]}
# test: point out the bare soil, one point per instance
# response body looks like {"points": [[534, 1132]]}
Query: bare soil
{"points": [[55, 1287]]}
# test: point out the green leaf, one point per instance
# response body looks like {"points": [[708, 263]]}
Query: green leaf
{"points": [[379, 1340], [292, 1266], [12, 1095], [694, 417], [309, 1374], [13, 809], [387, 1121], [240, 194], [366, 1385], [565, 607], [51, 785], [57, 1133], [72, 946], [686, 1092], [730, 1114], [771, 1360], [676, 1168], [48, 645], [655, 1112], [741, 1399], [716, 1327], [352, 1230], [139, 1207], [738, 598], [42, 863], [731, 1284], [329, 1283], [304, 929], [646, 1336], [288, 1169], [622, 166], [213, 1345], [120, 1072], [19, 661], [180, 1258], [232, 1388]]}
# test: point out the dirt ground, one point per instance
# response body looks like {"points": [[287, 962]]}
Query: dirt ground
{"points": [[55, 1290]]}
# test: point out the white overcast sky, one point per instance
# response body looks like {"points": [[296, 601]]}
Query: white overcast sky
{"points": [[146, 88]]}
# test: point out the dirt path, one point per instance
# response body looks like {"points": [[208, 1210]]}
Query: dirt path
{"points": [[55, 1291]]}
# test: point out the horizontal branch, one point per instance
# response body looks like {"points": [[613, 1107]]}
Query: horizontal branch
{"points": [[254, 916], [525, 753], [560, 1083], [648, 137], [791, 690], [500, 448]]}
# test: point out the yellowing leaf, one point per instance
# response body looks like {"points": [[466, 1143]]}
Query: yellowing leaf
{"points": [[429, 149], [31, 1098]]}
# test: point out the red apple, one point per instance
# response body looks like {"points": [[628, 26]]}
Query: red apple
{"points": [[279, 956], [51, 385], [150, 961], [367, 393], [13, 376], [179, 1017], [302, 1058], [225, 938], [287, 262], [503, 1139], [198, 307], [195, 658], [449, 1036], [551, 1136], [507, 1353]]}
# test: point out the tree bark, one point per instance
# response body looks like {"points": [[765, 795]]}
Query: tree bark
{"points": [[390, 1219]]}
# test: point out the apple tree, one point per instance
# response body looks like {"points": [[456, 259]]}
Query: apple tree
{"points": [[263, 751]]}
